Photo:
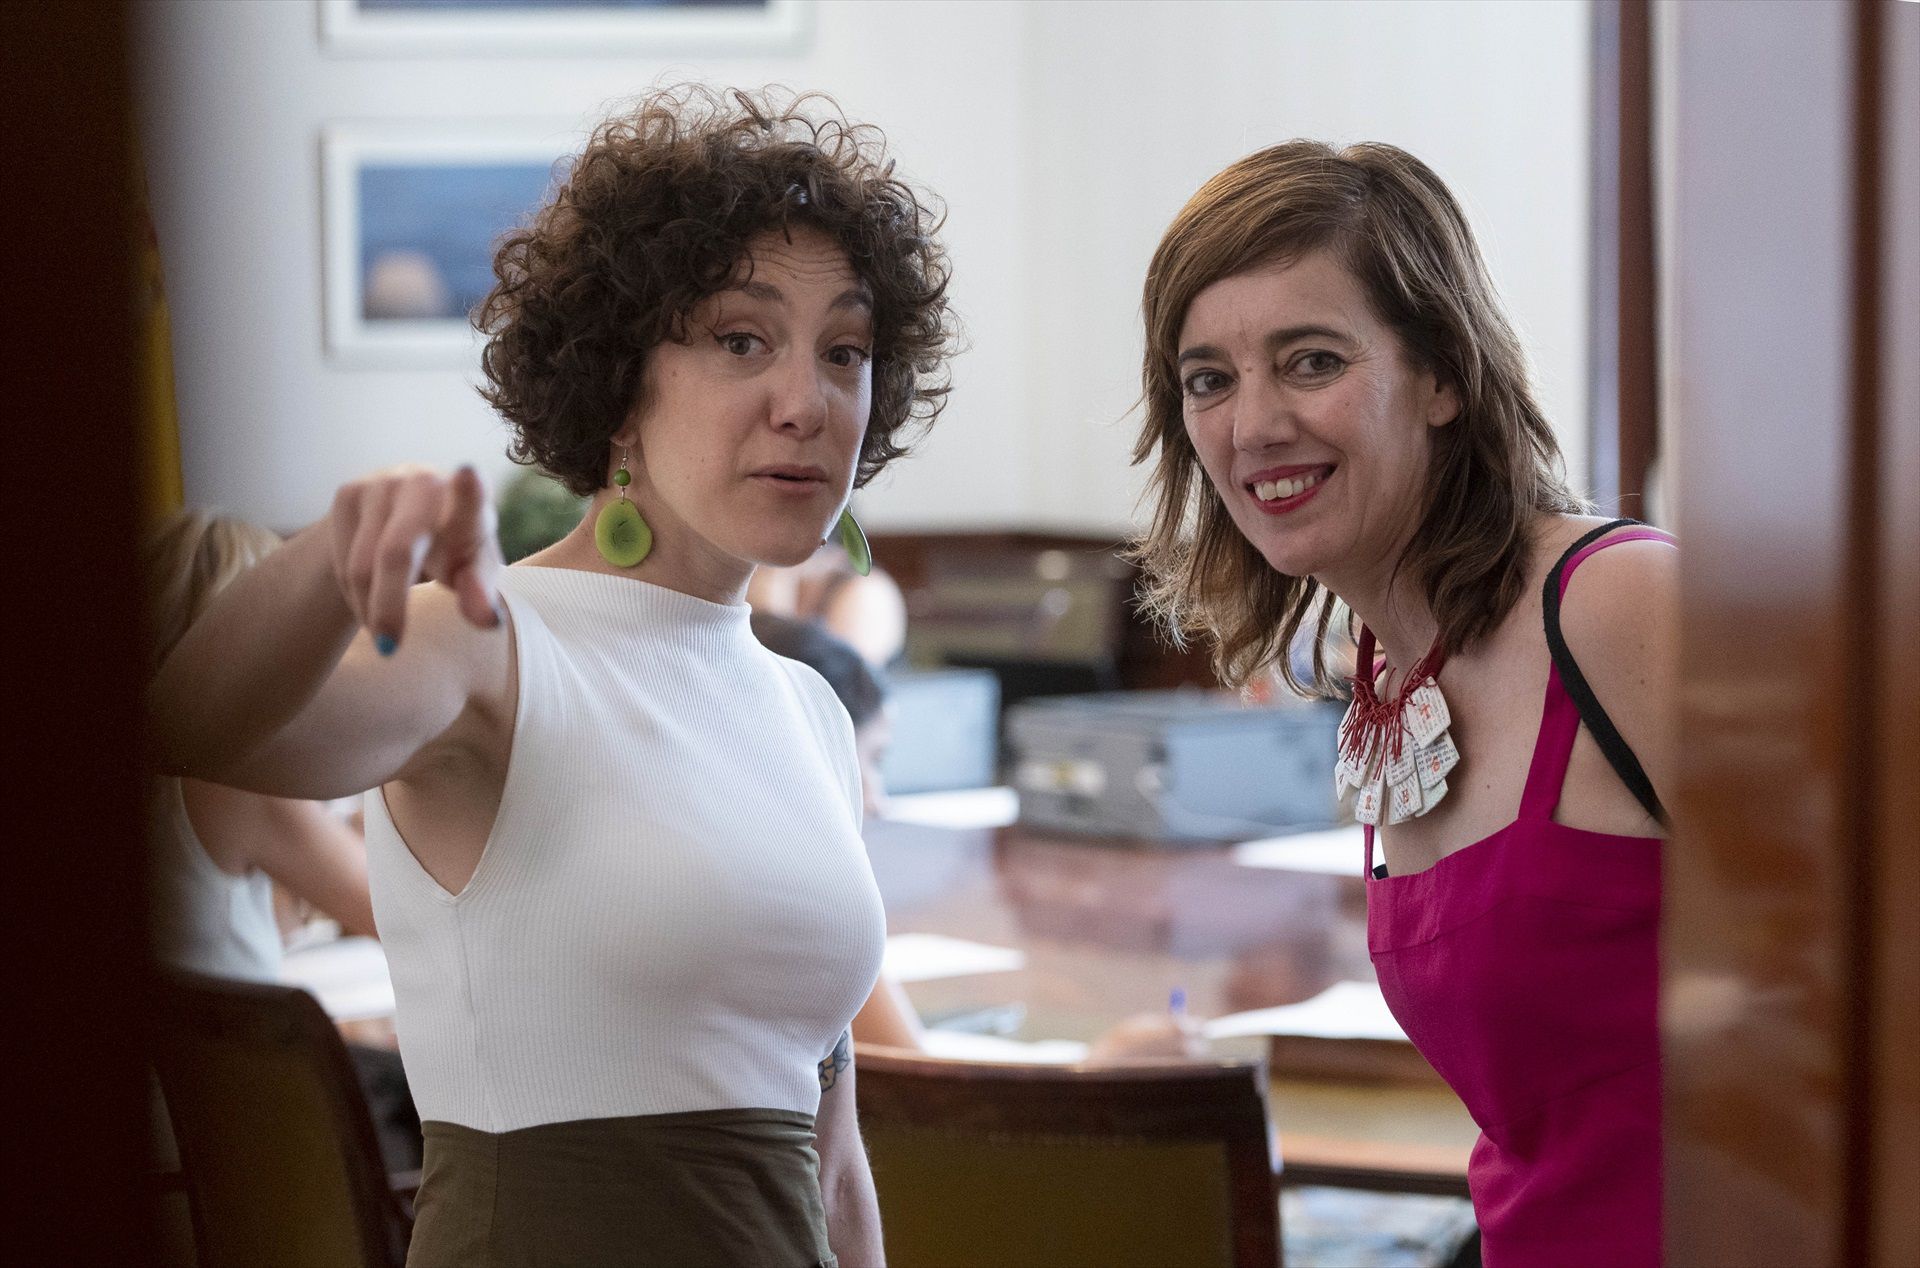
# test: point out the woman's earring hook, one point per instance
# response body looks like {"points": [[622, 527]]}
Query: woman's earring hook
{"points": [[622, 536]]}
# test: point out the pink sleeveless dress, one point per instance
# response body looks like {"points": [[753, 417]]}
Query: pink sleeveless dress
{"points": [[1525, 967]]}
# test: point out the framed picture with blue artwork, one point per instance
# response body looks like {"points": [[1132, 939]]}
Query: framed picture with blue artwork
{"points": [[411, 218], [416, 28]]}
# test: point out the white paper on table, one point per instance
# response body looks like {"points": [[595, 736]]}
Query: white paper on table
{"points": [[1345, 1010], [967, 808], [962, 1045], [348, 976], [922, 957], [1339, 851]]}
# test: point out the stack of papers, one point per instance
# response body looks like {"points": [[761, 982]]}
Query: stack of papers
{"points": [[348, 976], [922, 957], [963, 1046], [1338, 851], [1345, 1010]]}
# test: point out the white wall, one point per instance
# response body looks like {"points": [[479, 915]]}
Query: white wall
{"points": [[1137, 104], [1063, 136]]}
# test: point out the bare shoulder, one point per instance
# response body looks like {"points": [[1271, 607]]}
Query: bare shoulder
{"points": [[224, 820], [1620, 618], [1620, 596], [482, 661], [446, 691], [442, 633]]}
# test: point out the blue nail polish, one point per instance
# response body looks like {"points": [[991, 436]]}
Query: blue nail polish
{"points": [[385, 643]]}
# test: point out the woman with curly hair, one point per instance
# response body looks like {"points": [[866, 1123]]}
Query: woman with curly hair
{"points": [[1341, 422], [615, 843]]}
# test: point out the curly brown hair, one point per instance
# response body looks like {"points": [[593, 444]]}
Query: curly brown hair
{"points": [[655, 216], [1496, 467]]}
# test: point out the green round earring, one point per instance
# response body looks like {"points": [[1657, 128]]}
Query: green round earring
{"points": [[854, 541], [621, 534]]}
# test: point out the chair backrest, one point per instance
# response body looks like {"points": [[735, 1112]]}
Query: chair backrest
{"points": [[980, 1163], [276, 1145]]}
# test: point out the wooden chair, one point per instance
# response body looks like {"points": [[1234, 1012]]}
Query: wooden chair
{"points": [[277, 1150], [1001, 1165]]}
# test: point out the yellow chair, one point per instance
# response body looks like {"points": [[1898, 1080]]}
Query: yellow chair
{"points": [[277, 1152], [1047, 1166]]}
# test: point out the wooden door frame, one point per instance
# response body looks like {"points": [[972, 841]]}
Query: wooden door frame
{"points": [[73, 930], [1623, 371], [1887, 269], [1789, 962]]}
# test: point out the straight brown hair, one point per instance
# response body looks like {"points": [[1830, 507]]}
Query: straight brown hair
{"points": [[1496, 468]]}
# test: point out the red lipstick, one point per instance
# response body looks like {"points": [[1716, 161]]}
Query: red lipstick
{"points": [[1293, 476]]}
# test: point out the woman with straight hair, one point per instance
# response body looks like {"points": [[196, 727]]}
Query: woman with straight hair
{"points": [[1342, 434], [615, 842]]}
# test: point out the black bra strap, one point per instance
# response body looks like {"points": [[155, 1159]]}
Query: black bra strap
{"points": [[1618, 754]]}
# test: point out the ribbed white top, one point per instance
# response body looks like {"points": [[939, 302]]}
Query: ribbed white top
{"points": [[674, 910]]}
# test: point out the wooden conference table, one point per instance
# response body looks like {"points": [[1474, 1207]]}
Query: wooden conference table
{"points": [[1108, 929]]}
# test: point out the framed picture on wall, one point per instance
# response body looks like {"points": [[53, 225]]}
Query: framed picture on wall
{"points": [[411, 217], [415, 28]]}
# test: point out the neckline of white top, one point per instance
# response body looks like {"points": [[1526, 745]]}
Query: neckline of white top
{"points": [[632, 602]]}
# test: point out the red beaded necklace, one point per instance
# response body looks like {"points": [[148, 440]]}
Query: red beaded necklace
{"points": [[1376, 767]]}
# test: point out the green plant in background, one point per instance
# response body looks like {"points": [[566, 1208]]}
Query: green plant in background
{"points": [[535, 512]]}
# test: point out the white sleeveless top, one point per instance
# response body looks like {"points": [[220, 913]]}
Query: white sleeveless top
{"points": [[674, 910], [205, 919]]}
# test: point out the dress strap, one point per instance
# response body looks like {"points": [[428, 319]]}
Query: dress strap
{"points": [[1569, 699]]}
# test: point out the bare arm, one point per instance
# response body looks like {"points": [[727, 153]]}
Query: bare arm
{"points": [[846, 1183], [281, 687], [1621, 621], [310, 853], [888, 1019]]}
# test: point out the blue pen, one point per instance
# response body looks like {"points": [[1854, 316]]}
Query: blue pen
{"points": [[1177, 1001]]}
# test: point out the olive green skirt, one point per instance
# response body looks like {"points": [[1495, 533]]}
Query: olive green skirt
{"points": [[719, 1188]]}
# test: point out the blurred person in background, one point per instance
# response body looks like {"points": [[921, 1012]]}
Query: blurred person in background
{"points": [[857, 685], [888, 1018], [1339, 413], [218, 853], [867, 611], [615, 842]]}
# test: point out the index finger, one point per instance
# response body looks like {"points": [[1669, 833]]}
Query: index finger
{"points": [[399, 550], [466, 555], [463, 521]]}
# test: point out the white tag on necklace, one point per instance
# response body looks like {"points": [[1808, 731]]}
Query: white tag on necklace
{"points": [[1400, 768], [1425, 713], [1436, 760], [1347, 773], [1366, 807], [1405, 800]]}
